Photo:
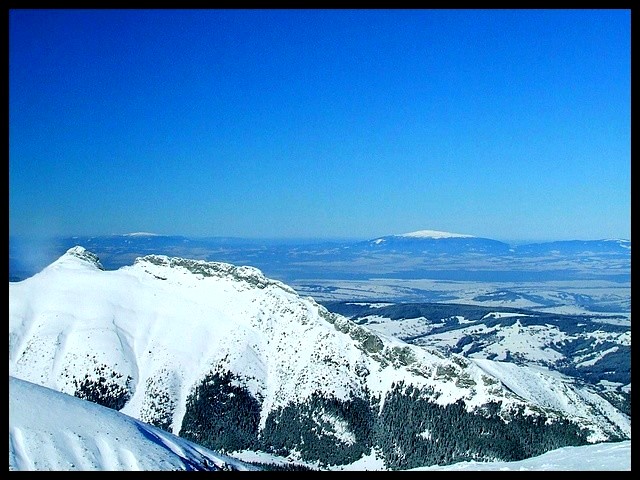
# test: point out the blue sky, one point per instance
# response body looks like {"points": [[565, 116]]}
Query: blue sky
{"points": [[513, 125]]}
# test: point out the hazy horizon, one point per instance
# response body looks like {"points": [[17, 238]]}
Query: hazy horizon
{"points": [[296, 239]]}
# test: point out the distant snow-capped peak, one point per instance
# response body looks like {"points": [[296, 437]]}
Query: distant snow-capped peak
{"points": [[141, 234], [422, 234], [432, 234]]}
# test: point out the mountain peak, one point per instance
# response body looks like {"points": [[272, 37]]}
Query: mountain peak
{"points": [[432, 234], [82, 254]]}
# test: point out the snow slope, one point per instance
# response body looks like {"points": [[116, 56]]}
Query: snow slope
{"points": [[49, 430], [612, 456]]}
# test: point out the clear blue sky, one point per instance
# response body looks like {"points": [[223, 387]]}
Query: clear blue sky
{"points": [[513, 125]]}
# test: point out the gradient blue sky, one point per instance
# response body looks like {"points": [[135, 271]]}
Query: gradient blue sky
{"points": [[513, 125]]}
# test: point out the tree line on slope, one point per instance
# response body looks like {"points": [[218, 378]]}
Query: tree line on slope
{"points": [[409, 431]]}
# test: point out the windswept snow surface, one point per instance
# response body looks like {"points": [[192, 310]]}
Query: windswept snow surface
{"points": [[49, 430], [599, 457]]}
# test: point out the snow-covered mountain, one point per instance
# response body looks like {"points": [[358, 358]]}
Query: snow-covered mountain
{"points": [[49, 430], [437, 242], [589, 352], [434, 234], [186, 345], [598, 346]]}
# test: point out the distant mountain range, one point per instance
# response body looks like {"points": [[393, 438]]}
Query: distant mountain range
{"points": [[228, 358], [423, 254]]}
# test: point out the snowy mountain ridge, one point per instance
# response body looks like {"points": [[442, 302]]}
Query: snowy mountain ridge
{"points": [[155, 338], [535, 354], [142, 348], [251, 275], [433, 234]]}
